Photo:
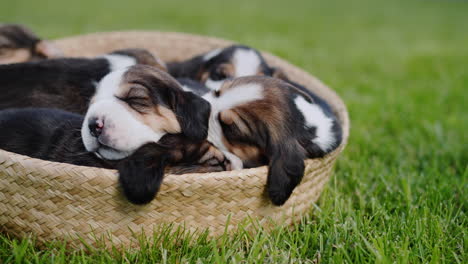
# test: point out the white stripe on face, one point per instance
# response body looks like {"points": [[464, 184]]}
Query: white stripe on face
{"points": [[118, 62], [315, 117], [122, 131], [233, 97], [208, 56], [246, 62]]}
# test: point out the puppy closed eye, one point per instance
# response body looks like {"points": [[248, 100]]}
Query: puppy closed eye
{"points": [[137, 99], [137, 103]]}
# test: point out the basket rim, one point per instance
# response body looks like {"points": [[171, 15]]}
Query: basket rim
{"points": [[338, 106]]}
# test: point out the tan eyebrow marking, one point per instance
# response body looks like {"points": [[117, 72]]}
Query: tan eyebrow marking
{"points": [[158, 117]]}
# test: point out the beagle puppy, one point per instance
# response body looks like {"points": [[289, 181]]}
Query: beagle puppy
{"points": [[55, 135], [218, 65], [20, 44], [137, 105], [64, 83], [141, 105], [260, 120]]}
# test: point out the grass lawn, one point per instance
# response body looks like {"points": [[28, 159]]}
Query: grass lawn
{"points": [[400, 190]]}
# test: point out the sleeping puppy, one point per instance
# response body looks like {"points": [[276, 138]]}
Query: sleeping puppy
{"points": [[262, 120], [137, 105], [55, 135], [65, 83], [19, 44], [140, 105], [212, 68]]}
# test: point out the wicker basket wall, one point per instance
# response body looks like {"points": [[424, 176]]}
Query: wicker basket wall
{"points": [[55, 201]]}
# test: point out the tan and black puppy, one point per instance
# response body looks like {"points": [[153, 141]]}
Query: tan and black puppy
{"points": [[263, 120], [64, 83], [216, 66], [141, 105], [137, 105], [20, 44]]}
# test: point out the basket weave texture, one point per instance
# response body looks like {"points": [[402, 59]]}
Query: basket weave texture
{"points": [[56, 201]]}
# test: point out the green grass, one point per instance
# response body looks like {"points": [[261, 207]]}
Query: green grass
{"points": [[399, 191]]}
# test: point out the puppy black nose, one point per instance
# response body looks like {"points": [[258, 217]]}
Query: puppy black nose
{"points": [[95, 126]]}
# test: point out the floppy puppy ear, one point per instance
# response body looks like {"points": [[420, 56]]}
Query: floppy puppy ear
{"points": [[278, 73], [285, 171], [48, 49], [141, 174], [193, 113], [286, 157]]}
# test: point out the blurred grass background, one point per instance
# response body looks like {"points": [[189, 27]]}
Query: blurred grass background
{"points": [[399, 192]]}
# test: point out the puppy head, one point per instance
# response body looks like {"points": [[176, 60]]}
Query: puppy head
{"points": [[257, 126], [19, 44], [233, 62], [142, 56], [139, 105]]}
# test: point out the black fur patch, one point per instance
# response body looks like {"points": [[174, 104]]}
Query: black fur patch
{"points": [[141, 175], [46, 134], [193, 113], [66, 83]]}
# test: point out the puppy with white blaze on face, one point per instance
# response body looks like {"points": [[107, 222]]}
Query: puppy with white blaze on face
{"points": [[216, 66], [137, 105], [124, 131], [143, 105], [262, 120]]}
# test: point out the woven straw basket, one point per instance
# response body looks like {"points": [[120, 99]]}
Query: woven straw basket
{"points": [[56, 201]]}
